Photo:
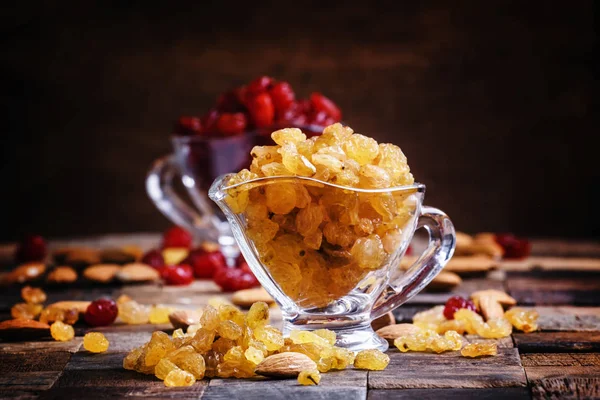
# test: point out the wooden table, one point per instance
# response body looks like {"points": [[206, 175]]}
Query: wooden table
{"points": [[561, 360]]}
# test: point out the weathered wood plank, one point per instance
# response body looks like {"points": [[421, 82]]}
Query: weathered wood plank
{"points": [[567, 318], [520, 393], [555, 288], [283, 390], [563, 375], [468, 286], [41, 346], [449, 370], [565, 248], [18, 394], [28, 371], [554, 342]]}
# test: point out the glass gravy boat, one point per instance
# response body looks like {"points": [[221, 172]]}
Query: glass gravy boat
{"points": [[323, 285]]}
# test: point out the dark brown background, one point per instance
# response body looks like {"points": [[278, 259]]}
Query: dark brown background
{"points": [[492, 102]]}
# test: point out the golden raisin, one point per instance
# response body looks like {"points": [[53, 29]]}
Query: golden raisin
{"points": [[309, 378], [61, 331], [33, 295], [479, 349], [95, 342]]}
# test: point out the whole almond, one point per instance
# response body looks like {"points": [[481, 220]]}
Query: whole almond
{"points": [[102, 273], [392, 332], [285, 365], [444, 281], [490, 308], [463, 243], [116, 256], [80, 257], [137, 272], [247, 297], [62, 274], [23, 329], [24, 273], [385, 320], [182, 319], [81, 306], [470, 264], [210, 246], [498, 295]]}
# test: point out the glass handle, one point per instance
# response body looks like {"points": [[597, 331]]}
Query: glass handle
{"points": [[159, 186], [442, 240]]}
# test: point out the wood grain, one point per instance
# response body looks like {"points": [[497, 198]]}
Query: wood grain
{"points": [[567, 318], [555, 288], [449, 370], [555, 342], [520, 393], [568, 375]]}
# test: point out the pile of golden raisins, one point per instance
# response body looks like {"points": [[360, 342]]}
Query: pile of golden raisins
{"points": [[242, 343], [319, 241]]}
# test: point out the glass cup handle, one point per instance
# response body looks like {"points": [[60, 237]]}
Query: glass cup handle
{"points": [[159, 186], [442, 241]]}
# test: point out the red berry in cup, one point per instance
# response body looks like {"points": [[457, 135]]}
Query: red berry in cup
{"points": [[283, 96], [154, 258], [261, 110], [177, 237], [231, 124], [233, 279], [229, 102], [455, 303], [188, 126], [259, 85], [205, 263], [101, 312], [31, 248], [322, 103], [514, 247], [178, 275]]}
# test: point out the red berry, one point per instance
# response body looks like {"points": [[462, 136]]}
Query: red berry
{"points": [[229, 102], [31, 248], [261, 110], [455, 303], [259, 85], [101, 312], [209, 121], [205, 263], [514, 247], [231, 124], [322, 103], [177, 237], [154, 258], [283, 96], [233, 279], [188, 126], [178, 275]]}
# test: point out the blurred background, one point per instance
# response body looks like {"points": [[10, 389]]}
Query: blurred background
{"points": [[492, 102]]}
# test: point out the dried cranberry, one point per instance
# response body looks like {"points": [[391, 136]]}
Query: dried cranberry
{"points": [[154, 258], [232, 279], [205, 263], [514, 247], [178, 275], [322, 103], [177, 237], [209, 121], [229, 102], [283, 96], [455, 303], [261, 110], [318, 118], [101, 312], [31, 248], [259, 85], [188, 126], [231, 124]]}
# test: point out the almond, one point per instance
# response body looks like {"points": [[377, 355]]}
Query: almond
{"points": [[247, 297], [490, 302], [80, 257], [392, 332], [463, 243], [137, 272], [285, 365], [62, 274], [116, 256], [103, 273], [385, 320], [81, 306], [182, 319], [135, 251], [24, 273], [470, 264], [444, 281], [23, 329]]}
